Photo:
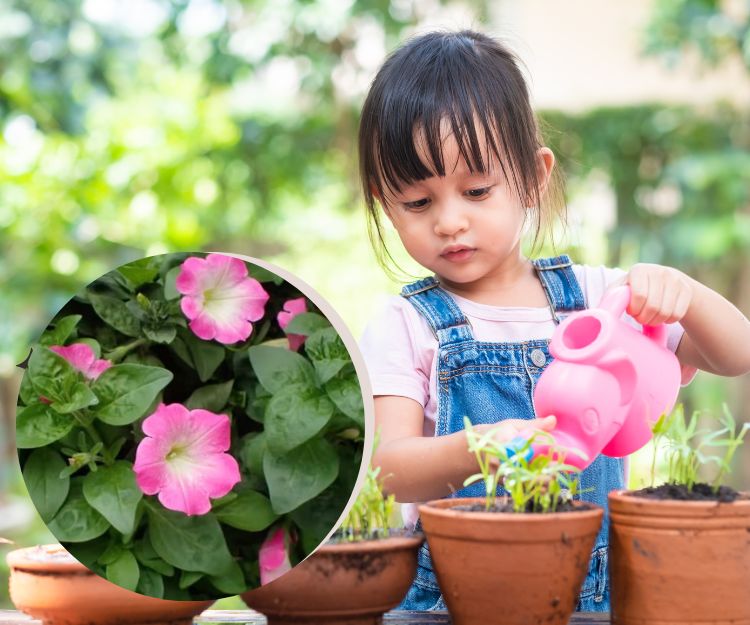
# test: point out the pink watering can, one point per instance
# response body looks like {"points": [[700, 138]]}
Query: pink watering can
{"points": [[608, 382]]}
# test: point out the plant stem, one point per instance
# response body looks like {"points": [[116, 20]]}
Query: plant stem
{"points": [[120, 352]]}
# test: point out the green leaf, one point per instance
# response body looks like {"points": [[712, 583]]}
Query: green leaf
{"points": [[42, 476], [188, 578], [61, 330], [115, 313], [124, 571], [162, 334], [232, 581], [211, 397], [301, 474], [294, 416], [147, 556], [307, 324], [112, 491], [190, 543], [252, 452], [126, 391], [38, 425], [75, 396], [150, 583], [278, 367], [250, 511], [77, 521], [204, 356], [170, 290], [140, 271], [261, 274], [347, 395], [328, 353], [50, 374]]}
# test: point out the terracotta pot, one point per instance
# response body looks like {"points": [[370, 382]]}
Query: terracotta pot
{"points": [[50, 584], [529, 568], [683, 562], [347, 584]]}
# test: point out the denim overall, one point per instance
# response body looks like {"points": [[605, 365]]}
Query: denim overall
{"points": [[489, 382]]}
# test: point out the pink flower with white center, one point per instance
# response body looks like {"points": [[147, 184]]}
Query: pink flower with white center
{"points": [[182, 458], [273, 556], [292, 308], [82, 357], [219, 298]]}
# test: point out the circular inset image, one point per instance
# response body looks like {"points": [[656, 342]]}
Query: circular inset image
{"points": [[191, 426]]}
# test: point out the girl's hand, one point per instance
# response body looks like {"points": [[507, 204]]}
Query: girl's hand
{"points": [[507, 430], [658, 294]]}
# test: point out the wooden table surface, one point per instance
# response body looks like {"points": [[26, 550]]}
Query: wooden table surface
{"points": [[10, 617]]}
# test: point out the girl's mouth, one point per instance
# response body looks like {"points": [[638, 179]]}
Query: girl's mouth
{"points": [[458, 254]]}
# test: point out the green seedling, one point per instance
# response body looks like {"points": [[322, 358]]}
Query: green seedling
{"points": [[541, 484], [370, 515], [687, 453]]}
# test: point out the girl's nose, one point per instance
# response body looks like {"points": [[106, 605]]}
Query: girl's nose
{"points": [[451, 219]]}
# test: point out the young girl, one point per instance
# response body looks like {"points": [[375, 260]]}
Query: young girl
{"points": [[450, 151]]}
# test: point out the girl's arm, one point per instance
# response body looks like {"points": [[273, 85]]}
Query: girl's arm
{"points": [[717, 334], [419, 468]]}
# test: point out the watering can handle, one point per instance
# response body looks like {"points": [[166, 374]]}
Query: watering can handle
{"points": [[616, 302]]}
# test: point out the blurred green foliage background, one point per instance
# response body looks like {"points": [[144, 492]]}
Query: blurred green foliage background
{"points": [[134, 128]]}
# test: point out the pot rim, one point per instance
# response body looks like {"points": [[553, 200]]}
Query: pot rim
{"points": [[387, 543], [43, 558], [625, 495], [444, 508]]}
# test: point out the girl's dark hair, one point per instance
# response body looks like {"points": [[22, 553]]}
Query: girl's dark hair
{"points": [[470, 81]]}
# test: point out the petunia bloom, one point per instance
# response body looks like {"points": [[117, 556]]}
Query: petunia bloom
{"points": [[219, 298], [182, 458], [82, 357], [273, 557], [292, 308]]}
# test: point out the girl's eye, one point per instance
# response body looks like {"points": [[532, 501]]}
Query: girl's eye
{"points": [[417, 204], [478, 193]]}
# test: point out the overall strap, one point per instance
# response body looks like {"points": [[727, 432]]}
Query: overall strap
{"points": [[447, 322], [560, 284]]}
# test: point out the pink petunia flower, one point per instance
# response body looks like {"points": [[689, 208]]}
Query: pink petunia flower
{"points": [[182, 458], [292, 308], [82, 357], [273, 556], [219, 298]]}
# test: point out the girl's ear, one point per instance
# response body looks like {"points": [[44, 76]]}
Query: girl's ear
{"points": [[377, 196], [545, 159]]}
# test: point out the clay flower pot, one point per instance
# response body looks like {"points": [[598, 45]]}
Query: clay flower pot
{"points": [[348, 583], [680, 562], [49, 584], [527, 567]]}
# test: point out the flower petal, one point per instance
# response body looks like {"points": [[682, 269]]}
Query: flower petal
{"points": [[292, 308], [273, 557], [79, 355]]}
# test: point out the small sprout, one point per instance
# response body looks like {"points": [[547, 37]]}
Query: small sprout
{"points": [[370, 515], [686, 454], [535, 483]]}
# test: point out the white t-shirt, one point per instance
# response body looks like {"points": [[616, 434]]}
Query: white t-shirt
{"points": [[399, 347]]}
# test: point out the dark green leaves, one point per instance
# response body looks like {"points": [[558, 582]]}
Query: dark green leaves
{"points": [[294, 416], [126, 391], [38, 425], [191, 543], [328, 353], [124, 571], [301, 474], [278, 367], [211, 397], [46, 488], [113, 492], [56, 380], [77, 521], [250, 511], [115, 313]]}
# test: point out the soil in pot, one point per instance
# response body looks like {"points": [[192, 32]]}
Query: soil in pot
{"points": [[679, 561], [362, 580], [515, 569], [699, 492], [48, 583]]}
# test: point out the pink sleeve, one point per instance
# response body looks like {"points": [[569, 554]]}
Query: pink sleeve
{"points": [[389, 345]]}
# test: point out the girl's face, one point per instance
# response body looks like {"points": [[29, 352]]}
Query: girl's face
{"points": [[465, 227]]}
